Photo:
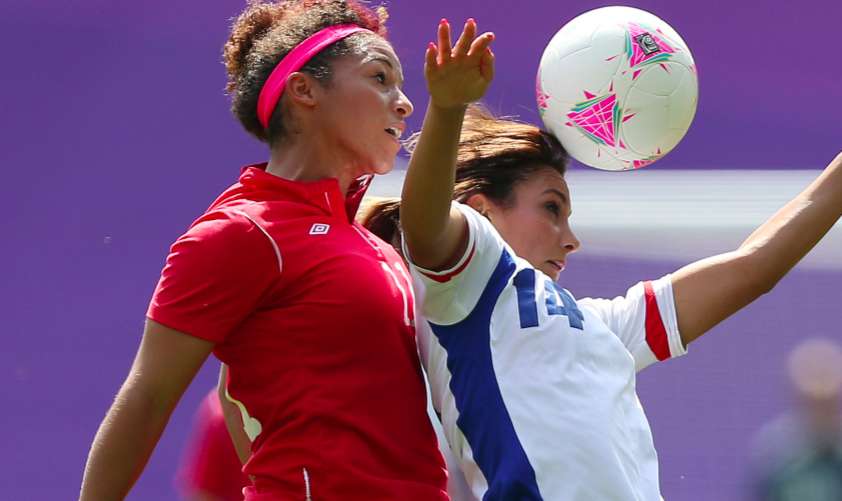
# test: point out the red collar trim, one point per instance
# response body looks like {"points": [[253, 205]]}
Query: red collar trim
{"points": [[323, 192]]}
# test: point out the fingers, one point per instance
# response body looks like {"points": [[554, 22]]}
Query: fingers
{"points": [[480, 45], [431, 58], [487, 65], [444, 48], [467, 46], [466, 39]]}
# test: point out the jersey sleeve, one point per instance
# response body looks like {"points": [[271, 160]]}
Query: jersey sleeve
{"points": [[644, 320], [451, 294], [215, 275]]}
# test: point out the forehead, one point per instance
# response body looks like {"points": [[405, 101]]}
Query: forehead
{"points": [[542, 180], [373, 47]]}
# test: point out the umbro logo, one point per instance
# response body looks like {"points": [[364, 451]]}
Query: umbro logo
{"points": [[319, 229], [647, 44]]}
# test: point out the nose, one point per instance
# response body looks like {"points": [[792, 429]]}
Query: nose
{"points": [[569, 241], [403, 106]]}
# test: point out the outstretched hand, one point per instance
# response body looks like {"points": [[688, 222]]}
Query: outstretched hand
{"points": [[459, 75]]}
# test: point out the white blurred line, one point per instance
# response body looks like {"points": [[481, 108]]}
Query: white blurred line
{"points": [[675, 215]]}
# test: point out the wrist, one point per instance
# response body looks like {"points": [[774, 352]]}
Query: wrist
{"points": [[448, 109]]}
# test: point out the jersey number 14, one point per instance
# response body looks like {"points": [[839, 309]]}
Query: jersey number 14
{"points": [[558, 301]]}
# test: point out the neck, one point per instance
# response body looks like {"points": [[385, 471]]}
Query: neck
{"points": [[311, 160]]}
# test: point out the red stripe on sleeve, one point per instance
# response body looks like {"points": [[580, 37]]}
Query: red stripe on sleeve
{"points": [[446, 277], [656, 333]]}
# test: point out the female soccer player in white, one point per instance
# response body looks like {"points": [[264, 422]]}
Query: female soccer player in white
{"points": [[537, 389]]}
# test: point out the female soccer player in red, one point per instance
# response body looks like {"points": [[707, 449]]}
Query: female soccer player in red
{"points": [[312, 314]]}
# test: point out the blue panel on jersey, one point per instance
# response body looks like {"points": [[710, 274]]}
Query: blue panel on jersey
{"points": [[527, 308], [483, 417]]}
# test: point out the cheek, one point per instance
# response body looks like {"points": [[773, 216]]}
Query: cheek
{"points": [[357, 104], [525, 232], [369, 99], [543, 235], [539, 235]]}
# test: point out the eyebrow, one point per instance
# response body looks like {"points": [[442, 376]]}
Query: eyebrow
{"points": [[562, 196], [391, 66]]}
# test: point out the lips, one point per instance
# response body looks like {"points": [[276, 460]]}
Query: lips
{"points": [[396, 131], [558, 265]]}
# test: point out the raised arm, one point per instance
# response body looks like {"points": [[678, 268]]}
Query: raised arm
{"points": [[435, 234], [708, 291], [166, 362]]}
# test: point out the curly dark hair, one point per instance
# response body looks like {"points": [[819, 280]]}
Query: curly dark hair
{"points": [[266, 31]]}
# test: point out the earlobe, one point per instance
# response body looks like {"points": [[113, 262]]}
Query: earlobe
{"points": [[300, 88]]}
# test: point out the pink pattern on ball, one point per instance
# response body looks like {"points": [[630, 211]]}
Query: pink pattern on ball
{"points": [[638, 56], [539, 92], [597, 119]]}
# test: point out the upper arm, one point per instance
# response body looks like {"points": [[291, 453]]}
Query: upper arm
{"points": [[709, 291], [446, 249], [452, 290], [166, 363]]}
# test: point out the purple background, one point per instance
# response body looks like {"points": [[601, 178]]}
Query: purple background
{"points": [[116, 134]]}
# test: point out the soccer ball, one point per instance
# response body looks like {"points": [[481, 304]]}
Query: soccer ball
{"points": [[618, 87]]}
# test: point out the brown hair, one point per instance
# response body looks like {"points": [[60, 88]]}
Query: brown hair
{"points": [[266, 31], [383, 218], [494, 155], [497, 153]]}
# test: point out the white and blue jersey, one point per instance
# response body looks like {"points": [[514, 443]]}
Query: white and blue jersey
{"points": [[536, 390]]}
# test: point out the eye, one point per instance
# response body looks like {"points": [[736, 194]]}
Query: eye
{"points": [[380, 77], [553, 207]]}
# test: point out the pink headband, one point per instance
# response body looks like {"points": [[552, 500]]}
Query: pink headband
{"points": [[272, 90]]}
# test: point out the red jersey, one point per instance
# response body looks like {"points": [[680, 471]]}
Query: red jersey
{"points": [[314, 317], [211, 466]]}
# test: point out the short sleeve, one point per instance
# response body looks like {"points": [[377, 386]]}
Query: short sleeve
{"points": [[644, 320], [451, 294], [216, 275]]}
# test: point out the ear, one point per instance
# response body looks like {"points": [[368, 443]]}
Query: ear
{"points": [[302, 89], [480, 203]]}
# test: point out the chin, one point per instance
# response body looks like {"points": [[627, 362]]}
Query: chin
{"points": [[553, 274], [380, 168]]}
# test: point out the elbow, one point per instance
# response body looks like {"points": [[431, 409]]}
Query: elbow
{"points": [[763, 287], [759, 277]]}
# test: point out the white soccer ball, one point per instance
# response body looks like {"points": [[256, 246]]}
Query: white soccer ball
{"points": [[618, 87]]}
